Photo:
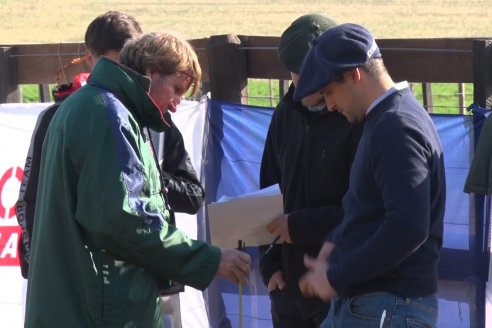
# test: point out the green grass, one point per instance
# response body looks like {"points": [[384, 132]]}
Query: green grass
{"points": [[30, 93], [445, 97], [263, 92]]}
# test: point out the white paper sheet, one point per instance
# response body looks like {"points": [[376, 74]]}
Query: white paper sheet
{"points": [[245, 218]]}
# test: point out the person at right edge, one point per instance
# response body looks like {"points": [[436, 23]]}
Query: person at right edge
{"points": [[308, 152], [379, 267]]}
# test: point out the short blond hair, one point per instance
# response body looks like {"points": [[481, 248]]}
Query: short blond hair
{"points": [[164, 53]]}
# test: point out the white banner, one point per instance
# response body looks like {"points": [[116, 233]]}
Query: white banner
{"points": [[17, 122], [190, 120]]}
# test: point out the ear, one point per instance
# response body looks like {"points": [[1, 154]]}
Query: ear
{"points": [[148, 72], [91, 59], [355, 74]]}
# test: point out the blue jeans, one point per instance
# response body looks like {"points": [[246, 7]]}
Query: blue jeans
{"points": [[367, 311]]}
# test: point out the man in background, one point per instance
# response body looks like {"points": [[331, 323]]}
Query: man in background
{"points": [[379, 266], [308, 152]]}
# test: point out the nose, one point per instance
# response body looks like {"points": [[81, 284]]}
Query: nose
{"points": [[330, 105], [177, 99]]}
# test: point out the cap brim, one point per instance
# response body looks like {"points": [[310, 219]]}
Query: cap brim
{"points": [[315, 74], [337, 50]]}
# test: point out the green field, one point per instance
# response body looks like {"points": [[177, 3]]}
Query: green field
{"points": [[51, 21]]}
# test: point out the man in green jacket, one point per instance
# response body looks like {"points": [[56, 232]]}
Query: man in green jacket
{"points": [[105, 36], [101, 238]]}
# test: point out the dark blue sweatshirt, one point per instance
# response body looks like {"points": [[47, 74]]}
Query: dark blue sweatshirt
{"points": [[392, 228]]}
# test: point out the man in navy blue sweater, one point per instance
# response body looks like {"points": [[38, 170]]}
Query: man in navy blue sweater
{"points": [[379, 266]]}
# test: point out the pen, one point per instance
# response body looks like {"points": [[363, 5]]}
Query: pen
{"points": [[271, 246], [240, 246], [383, 316]]}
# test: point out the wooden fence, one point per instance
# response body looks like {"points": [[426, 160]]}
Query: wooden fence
{"points": [[228, 61]]}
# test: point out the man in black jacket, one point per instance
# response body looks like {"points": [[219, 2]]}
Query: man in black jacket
{"points": [[379, 266], [308, 152]]}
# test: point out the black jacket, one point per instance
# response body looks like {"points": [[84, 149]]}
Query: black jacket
{"points": [[184, 191], [25, 205], [309, 156]]}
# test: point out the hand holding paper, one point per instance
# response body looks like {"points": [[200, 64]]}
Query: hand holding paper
{"points": [[280, 227]]}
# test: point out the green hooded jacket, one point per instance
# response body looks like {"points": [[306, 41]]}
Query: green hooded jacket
{"points": [[101, 240]]}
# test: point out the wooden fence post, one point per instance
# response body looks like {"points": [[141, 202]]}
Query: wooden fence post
{"points": [[9, 90], [427, 97], [462, 98], [482, 73], [227, 68], [283, 88], [44, 92]]}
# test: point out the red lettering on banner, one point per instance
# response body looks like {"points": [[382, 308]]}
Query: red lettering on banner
{"points": [[7, 213], [9, 238]]}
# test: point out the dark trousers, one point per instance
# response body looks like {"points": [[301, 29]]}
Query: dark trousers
{"points": [[296, 312]]}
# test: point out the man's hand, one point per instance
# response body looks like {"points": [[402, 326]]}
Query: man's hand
{"points": [[234, 265], [315, 282], [276, 281], [280, 227]]}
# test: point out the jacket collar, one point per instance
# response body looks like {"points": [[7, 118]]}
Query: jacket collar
{"points": [[132, 89]]}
